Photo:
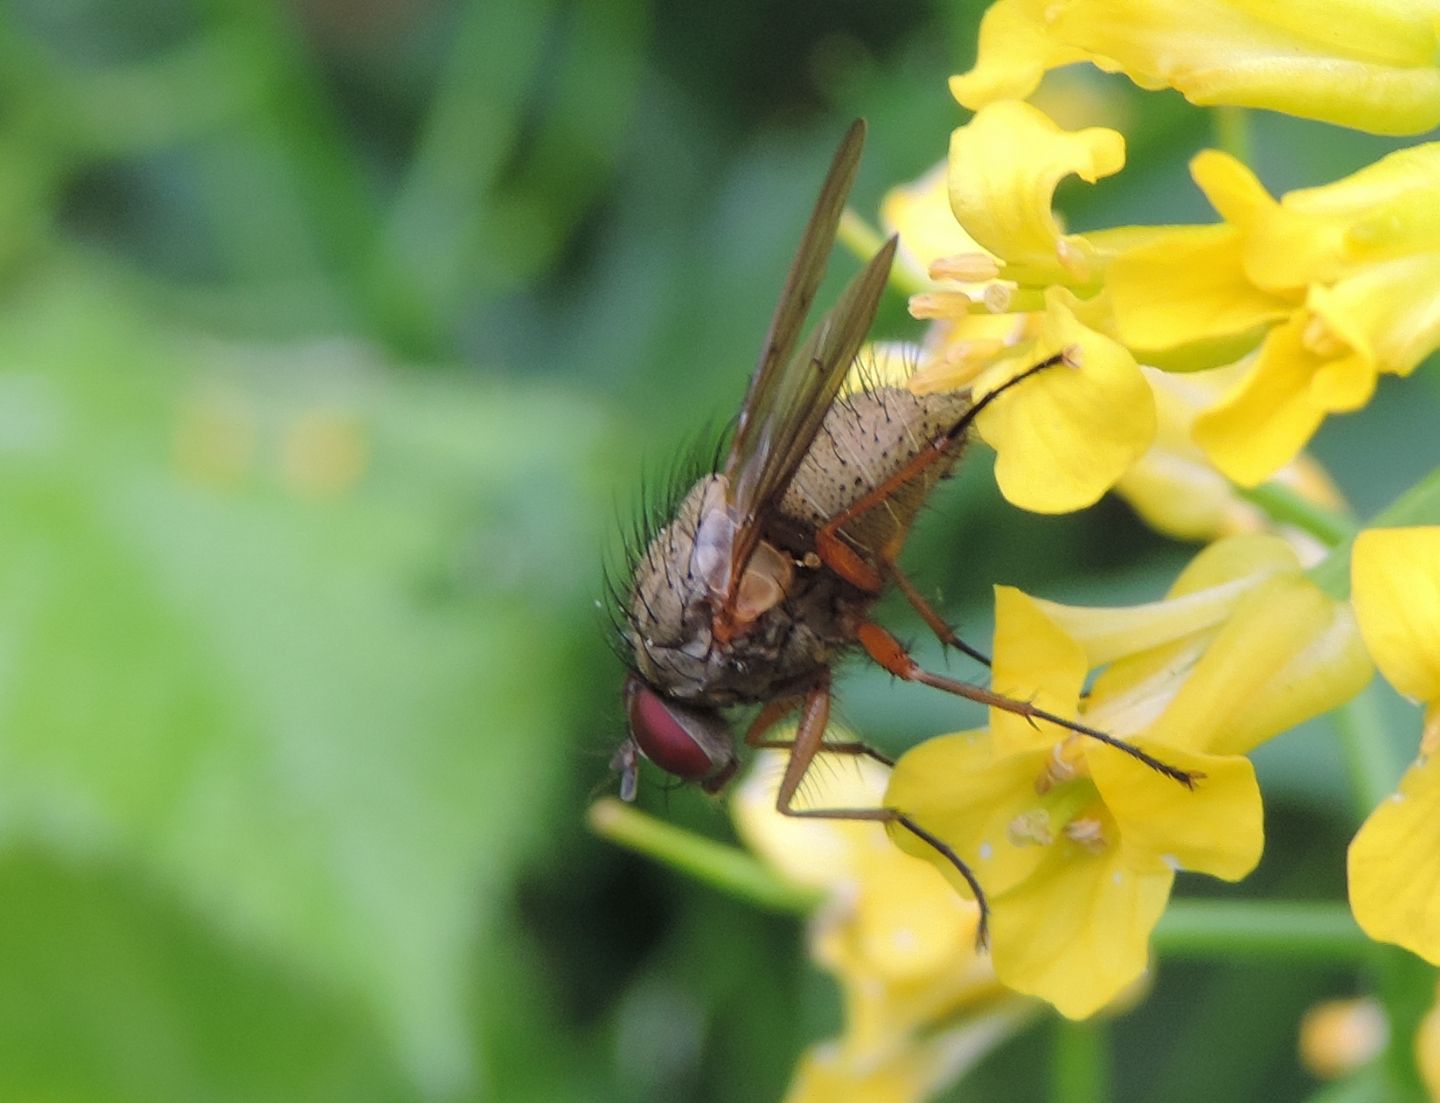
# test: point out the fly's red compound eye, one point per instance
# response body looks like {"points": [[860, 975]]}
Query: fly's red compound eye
{"points": [[689, 743]]}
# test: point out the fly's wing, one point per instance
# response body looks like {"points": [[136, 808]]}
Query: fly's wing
{"points": [[792, 390]]}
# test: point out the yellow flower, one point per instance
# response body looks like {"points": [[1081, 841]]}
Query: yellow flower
{"points": [[1074, 431], [1077, 843], [1360, 258], [1176, 489], [918, 998], [1427, 1050], [1339, 1036], [1368, 65], [1394, 861]]}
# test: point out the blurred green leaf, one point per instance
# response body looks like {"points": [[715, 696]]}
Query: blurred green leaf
{"points": [[261, 608]]}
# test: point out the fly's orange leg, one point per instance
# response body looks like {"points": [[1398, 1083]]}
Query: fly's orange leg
{"points": [[886, 650], [850, 565], [943, 632], [772, 713], [809, 741]]}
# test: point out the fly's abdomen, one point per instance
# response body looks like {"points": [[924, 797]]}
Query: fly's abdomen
{"points": [[867, 439]]}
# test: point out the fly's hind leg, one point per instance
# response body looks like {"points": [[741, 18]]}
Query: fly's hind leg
{"points": [[889, 653], [850, 565], [810, 741], [937, 624]]}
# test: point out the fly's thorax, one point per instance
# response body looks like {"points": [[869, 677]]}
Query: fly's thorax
{"points": [[668, 620], [794, 617], [868, 437]]}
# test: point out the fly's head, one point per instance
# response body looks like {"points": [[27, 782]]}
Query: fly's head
{"points": [[690, 742], [684, 665], [673, 717]]}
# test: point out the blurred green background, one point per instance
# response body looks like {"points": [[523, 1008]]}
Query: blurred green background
{"points": [[334, 337]]}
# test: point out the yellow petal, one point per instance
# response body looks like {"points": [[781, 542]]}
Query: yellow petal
{"points": [[959, 790], [1076, 933], [1317, 235], [1063, 438], [920, 213], [1188, 287], [1264, 422], [824, 1075], [1251, 557], [1034, 661], [1389, 314], [1176, 490], [908, 921], [1004, 166], [1427, 1050], [1204, 594], [1395, 585], [1287, 653], [1394, 866], [1378, 75], [1216, 828], [1014, 53], [812, 852]]}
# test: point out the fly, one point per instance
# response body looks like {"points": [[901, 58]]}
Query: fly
{"points": [[771, 565]]}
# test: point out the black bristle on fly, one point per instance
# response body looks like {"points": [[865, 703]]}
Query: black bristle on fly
{"points": [[656, 506]]}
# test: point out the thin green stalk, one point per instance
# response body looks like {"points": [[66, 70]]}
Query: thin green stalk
{"points": [[1289, 507], [1231, 128], [864, 240], [726, 868], [1274, 930], [1082, 1062], [1370, 761], [1420, 505]]}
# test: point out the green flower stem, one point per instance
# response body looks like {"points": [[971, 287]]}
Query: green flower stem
{"points": [[726, 868], [1268, 929], [1081, 1070], [1288, 507], [1370, 761], [864, 240], [1231, 127], [1420, 505]]}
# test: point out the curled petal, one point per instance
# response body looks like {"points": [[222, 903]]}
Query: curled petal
{"points": [[1004, 167], [1396, 589], [1063, 438], [1077, 933], [1317, 235], [1394, 866], [1015, 51], [1216, 828]]}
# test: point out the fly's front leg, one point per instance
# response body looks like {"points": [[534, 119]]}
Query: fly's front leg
{"points": [[887, 651], [775, 711], [810, 741]]}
